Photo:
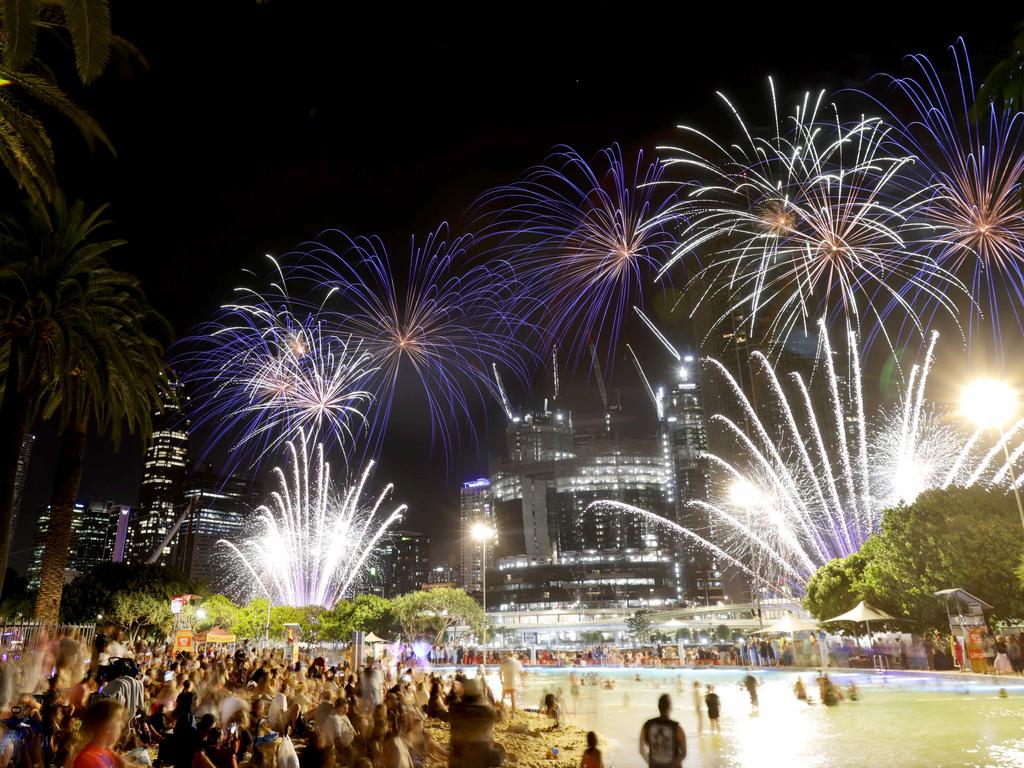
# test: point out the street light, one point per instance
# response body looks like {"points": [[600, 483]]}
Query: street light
{"points": [[989, 403], [746, 496], [483, 533]]}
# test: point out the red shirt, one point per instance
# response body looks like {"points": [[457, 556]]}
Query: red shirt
{"points": [[96, 757]]}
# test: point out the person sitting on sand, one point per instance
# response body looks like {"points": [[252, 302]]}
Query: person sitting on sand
{"points": [[472, 730], [553, 710]]}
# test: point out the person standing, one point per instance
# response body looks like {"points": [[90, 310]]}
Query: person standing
{"points": [[714, 708], [662, 741], [750, 683], [698, 705], [511, 671]]}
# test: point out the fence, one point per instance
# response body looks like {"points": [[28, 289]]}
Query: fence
{"points": [[17, 636]]}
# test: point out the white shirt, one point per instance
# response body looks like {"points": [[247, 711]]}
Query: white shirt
{"points": [[511, 671], [339, 730]]}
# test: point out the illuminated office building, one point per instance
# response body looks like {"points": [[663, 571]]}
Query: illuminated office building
{"points": [[475, 508]]}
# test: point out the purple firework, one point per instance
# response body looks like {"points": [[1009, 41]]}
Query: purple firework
{"points": [[974, 161], [443, 324], [584, 238]]}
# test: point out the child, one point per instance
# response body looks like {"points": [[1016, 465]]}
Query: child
{"points": [[552, 709], [714, 708], [101, 724], [592, 757]]}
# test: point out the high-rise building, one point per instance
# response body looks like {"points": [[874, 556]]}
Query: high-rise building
{"points": [[21, 473], [92, 540], [475, 508], [221, 509], [403, 562], [162, 495], [684, 443]]}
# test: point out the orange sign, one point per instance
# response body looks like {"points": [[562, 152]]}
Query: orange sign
{"points": [[184, 640]]}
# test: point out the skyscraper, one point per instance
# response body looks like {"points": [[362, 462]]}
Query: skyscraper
{"points": [[91, 544], [162, 495], [403, 562], [222, 509], [475, 507]]}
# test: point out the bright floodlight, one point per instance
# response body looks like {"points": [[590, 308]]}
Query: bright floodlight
{"points": [[200, 614], [743, 494], [480, 532], [988, 402]]}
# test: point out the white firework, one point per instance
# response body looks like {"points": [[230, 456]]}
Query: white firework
{"points": [[313, 544]]}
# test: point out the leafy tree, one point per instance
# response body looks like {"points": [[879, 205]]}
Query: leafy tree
{"points": [[93, 593], [25, 145], [15, 599], [218, 611], [364, 613], [959, 537], [638, 626], [1004, 84], [723, 633], [141, 615], [836, 586], [434, 612]]}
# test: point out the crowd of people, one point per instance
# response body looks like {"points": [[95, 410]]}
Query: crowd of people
{"points": [[115, 707]]}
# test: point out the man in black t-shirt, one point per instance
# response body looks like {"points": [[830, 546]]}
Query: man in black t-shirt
{"points": [[662, 741]]}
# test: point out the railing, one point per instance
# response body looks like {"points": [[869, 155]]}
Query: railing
{"points": [[880, 662], [17, 636]]}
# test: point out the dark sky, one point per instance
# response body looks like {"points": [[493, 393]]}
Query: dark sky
{"points": [[257, 125]]}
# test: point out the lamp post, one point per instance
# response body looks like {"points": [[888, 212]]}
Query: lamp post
{"points": [[483, 533], [745, 495], [989, 403]]}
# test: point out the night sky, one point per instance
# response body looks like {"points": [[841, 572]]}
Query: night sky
{"points": [[258, 125]]}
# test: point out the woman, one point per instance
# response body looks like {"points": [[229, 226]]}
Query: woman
{"points": [[1002, 663]]}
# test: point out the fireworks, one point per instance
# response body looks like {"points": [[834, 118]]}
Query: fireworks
{"points": [[805, 223], [584, 239], [975, 167], [268, 367], [807, 485], [445, 325], [313, 544]]}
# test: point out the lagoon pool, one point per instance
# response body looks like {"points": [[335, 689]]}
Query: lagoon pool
{"points": [[901, 719]]}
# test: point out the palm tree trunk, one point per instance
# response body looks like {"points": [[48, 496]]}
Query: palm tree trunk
{"points": [[67, 477], [15, 409]]}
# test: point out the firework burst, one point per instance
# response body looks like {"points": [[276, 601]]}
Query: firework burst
{"points": [[313, 544], [444, 325], [584, 239], [267, 367], [803, 485], [803, 223], [975, 166]]}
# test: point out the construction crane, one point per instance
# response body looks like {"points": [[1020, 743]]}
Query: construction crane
{"points": [[501, 392], [658, 334], [189, 509], [599, 375], [659, 405], [554, 368]]}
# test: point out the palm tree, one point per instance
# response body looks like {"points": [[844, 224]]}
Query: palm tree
{"points": [[26, 82], [84, 354]]}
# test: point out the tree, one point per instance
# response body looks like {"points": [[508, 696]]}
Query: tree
{"points": [[959, 537], [93, 593], [1004, 85], [217, 610], [364, 613], [81, 331], [141, 615], [723, 633], [434, 612], [25, 145], [836, 586], [638, 626]]}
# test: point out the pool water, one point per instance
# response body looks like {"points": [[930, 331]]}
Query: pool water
{"points": [[900, 719]]}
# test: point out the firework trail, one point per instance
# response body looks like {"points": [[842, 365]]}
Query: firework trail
{"points": [[804, 485], [313, 544], [268, 366], [584, 238], [443, 326], [804, 222], [974, 163]]}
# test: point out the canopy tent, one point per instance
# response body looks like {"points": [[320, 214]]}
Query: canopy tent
{"points": [[372, 639], [789, 624], [865, 612], [216, 635]]}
